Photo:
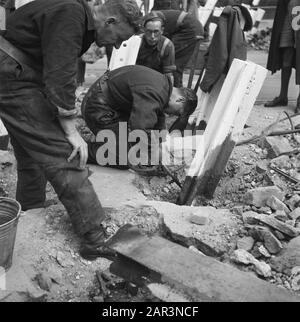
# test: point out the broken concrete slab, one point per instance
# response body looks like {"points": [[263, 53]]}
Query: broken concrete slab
{"points": [[289, 257], [262, 166], [295, 214], [293, 202], [114, 187], [276, 145], [253, 218], [245, 243], [258, 197], [276, 204], [216, 237], [263, 234], [243, 257], [144, 260], [20, 297], [282, 162]]}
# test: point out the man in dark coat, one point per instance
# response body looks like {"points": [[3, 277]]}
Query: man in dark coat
{"points": [[284, 52], [138, 96], [184, 30], [38, 64]]}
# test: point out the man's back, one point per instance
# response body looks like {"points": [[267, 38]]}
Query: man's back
{"points": [[35, 23], [127, 81]]}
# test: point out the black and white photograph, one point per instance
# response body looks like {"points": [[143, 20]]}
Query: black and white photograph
{"points": [[149, 154]]}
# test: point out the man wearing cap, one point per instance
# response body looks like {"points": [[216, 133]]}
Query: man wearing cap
{"points": [[156, 51], [184, 30], [38, 64], [138, 96]]}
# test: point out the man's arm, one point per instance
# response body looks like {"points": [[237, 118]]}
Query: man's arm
{"points": [[62, 35], [62, 31]]}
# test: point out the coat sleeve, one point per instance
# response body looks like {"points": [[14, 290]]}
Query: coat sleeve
{"points": [[217, 56], [168, 59], [61, 40]]}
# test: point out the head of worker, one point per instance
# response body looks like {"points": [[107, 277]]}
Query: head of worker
{"points": [[182, 103], [116, 21], [153, 26]]}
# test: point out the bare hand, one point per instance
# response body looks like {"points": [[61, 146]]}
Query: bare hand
{"points": [[79, 146]]}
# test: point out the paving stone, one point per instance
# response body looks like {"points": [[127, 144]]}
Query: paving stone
{"points": [[263, 234], [293, 202], [262, 166], [281, 215], [289, 257], [295, 214], [282, 162], [245, 243], [243, 257], [277, 204], [44, 281], [253, 218], [276, 145], [216, 237], [259, 196]]}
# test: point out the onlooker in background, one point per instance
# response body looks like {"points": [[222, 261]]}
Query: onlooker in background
{"points": [[184, 30], [284, 52], [168, 4], [156, 51]]}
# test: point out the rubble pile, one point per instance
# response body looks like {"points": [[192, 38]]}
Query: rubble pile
{"points": [[260, 40]]}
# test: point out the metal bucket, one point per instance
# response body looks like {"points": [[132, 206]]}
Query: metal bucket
{"points": [[10, 211]]}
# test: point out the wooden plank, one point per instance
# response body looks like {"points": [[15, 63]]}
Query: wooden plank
{"points": [[206, 11], [196, 277], [126, 54]]}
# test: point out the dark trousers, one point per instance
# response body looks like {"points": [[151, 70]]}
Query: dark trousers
{"points": [[99, 115], [41, 148], [185, 41]]}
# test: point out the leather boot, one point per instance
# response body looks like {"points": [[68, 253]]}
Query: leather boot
{"points": [[277, 101], [94, 246]]}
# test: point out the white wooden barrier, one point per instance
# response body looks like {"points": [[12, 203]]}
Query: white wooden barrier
{"points": [[226, 122], [2, 18]]}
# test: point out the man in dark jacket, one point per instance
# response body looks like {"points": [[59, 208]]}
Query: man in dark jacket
{"points": [[184, 30], [156, 51], [38, 63], [284, 52], [138, 96]]}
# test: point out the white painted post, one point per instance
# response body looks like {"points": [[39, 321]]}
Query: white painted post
{"points": [[233, 106], [204, 12], [3, 131], [2, 18], [2, 279]]}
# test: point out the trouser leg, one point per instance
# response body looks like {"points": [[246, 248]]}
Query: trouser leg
{"points": [[32, 122], [31, 184], [287, 62]]}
